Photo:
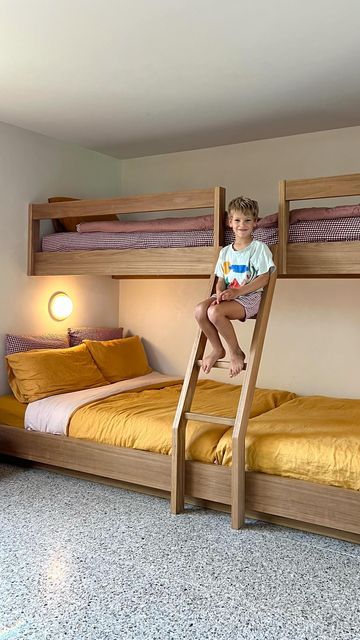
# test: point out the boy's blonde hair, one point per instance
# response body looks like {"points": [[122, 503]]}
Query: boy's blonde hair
{"points": [[244, 205]]}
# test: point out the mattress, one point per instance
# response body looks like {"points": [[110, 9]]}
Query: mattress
{"points": [[339, 230], [94, 241]]}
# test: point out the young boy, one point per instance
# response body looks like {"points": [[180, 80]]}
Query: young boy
{"points": [[242, 270]]}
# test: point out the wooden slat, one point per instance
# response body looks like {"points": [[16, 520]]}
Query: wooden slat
{"points": [[283, 230], [187, 262], [33, 242], [204, 417], [181, 200], [202, 482], [328, 187], [315, 503], [221, 364], [219, 215], [324, 258]]}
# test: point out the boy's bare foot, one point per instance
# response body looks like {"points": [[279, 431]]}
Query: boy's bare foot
{"points": [[209, 361], [237, 361]]}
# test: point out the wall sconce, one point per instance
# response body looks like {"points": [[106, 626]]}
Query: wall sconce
{"points": [[60, 306]]}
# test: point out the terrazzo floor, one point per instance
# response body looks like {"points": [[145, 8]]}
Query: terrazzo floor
{"points": [[85, 561]]}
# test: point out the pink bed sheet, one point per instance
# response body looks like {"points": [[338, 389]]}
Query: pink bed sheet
{"points": [[339, 230]]}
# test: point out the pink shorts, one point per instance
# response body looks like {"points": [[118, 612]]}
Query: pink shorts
{"points": [[250, 302]]}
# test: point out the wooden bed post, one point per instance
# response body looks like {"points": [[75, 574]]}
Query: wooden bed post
{"points": [[243, 412], [33, 241], [219, 215], [283, 229]]}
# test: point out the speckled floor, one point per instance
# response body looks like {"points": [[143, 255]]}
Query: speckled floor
{"points": [[85, 561]]}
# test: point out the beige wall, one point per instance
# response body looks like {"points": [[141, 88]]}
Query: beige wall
{"points": [[313, 341], [32, 167]]}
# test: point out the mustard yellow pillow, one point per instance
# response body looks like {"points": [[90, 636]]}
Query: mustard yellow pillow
{"points": [[119, 359], [38, 374]]}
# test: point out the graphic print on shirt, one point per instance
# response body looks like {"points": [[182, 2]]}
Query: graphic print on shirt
{"points": [[231, 274]]}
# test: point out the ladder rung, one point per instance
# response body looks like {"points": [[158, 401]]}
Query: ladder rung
{"points": [[220, 364], [202, 417]]}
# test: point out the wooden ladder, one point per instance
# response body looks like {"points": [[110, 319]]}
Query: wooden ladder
{"points": [[239, 423]]}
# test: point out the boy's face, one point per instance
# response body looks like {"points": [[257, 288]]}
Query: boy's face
{"points": [[242, 224]]}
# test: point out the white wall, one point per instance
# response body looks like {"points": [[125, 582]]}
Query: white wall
{"points": [[313, 341], [33, 167]]}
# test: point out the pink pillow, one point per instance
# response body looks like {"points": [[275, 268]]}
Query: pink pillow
{"points": [[17, 343], [197, 223], [314, 213], [78, 334], [268, 221]]}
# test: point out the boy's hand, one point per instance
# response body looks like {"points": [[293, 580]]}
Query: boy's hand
{"points": [[230, 294]]}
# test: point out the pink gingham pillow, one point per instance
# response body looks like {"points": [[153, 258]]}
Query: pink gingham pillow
{"points": [[78, 334], [16, 343]]}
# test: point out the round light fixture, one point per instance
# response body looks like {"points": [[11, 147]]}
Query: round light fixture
{"points": [[60, 306]]}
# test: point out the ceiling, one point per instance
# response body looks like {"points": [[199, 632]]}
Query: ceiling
{"points": [[141, 77]]}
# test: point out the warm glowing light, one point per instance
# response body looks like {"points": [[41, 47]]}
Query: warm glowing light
{"points": [[60, 306]]}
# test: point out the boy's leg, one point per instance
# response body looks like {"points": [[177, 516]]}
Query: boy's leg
{"points": [[218, 351], [220, 316]]}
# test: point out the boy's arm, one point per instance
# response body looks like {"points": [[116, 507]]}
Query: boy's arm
{"points": [[219, 290], [258, 283], [220, 285]]}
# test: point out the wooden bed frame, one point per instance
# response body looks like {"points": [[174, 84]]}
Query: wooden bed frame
{"points": [[317, 259], [296, 503], [299, 260], [188, 262]]}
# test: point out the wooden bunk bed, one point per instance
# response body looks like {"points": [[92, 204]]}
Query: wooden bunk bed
{"points": [[316, 259], [185, 262], [305, 505]]}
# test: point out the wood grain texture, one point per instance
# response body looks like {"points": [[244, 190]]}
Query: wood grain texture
{"points": [[327, 187], [283, 230], [306, 504], [33, 241], [324, 259], [181, 262], [173, 201]]}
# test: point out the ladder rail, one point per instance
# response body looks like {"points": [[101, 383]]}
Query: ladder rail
{"points": [[244, 407], [179, 423]]}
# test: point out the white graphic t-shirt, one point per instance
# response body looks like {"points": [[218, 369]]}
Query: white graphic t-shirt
{"points": [[240, 267]]}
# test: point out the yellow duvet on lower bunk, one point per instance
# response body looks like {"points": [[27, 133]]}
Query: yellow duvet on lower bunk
{"points": [[312, 438], [143, 420]]}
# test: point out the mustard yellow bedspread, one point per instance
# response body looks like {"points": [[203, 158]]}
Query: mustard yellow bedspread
{"points": [[143, 420], [12, 411], [311, 438]]}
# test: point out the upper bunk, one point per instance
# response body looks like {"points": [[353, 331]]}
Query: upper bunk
{"points": [[176, 262], [338, 254], [320, 246]]}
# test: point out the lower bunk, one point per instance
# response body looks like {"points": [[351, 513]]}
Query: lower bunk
{"points": [[310, 506], [302, 453]]}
